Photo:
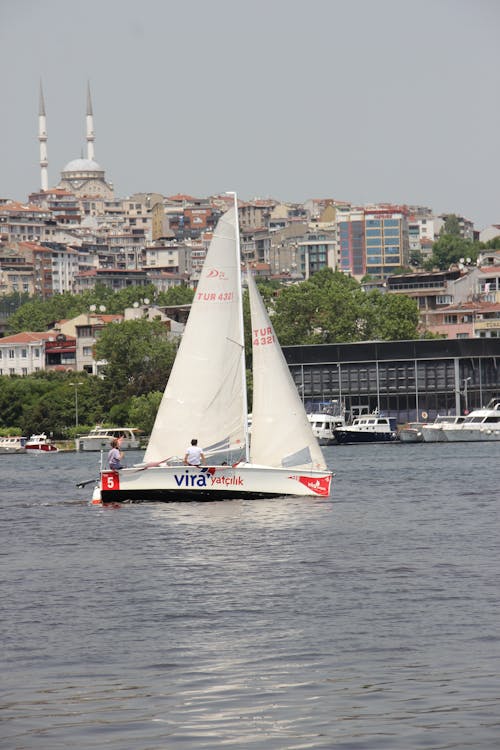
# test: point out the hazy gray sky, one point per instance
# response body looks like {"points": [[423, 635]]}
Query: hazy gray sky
{"points": [[358, 100]]}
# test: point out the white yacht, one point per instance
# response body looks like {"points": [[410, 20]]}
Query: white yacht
{"points": [[433, 432], [324, 422], [412, 432], [12, 444], [100, 439], [480, 425]]}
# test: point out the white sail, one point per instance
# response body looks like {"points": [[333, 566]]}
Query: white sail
{"points": [[281, 433], [205, 397]]}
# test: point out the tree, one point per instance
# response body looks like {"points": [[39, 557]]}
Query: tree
{"points": [[331, 307], [395, 316], [139, 358], [451, 225], [448, 249], [143, 409]]}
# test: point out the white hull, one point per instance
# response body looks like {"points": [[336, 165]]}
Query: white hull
{"points": [[411, 436], [12, 445], [462, 434], [433, 435], [103, 443], [181, 483]]}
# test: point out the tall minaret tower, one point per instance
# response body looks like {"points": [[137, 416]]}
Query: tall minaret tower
{"points": [[42, 137], [90, 126]]}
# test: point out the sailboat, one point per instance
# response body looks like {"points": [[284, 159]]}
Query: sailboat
{"points": [[205, 398]]}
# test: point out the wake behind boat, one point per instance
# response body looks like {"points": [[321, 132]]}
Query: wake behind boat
{"points": [[205, 397]]}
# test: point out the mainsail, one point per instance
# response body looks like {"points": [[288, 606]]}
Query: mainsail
{"points": [[281, 433], [205, 397]]}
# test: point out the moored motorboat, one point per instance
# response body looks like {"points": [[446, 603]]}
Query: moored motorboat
{"points": [[412, 432], [40, 444], [100, 439], [324, 424], [480, 425], [12, 444], [371, 428], [433, 431]]}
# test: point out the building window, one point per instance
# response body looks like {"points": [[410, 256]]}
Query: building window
{"points": [[444, 299], [12, 353]]}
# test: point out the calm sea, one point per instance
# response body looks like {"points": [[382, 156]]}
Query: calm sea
{"points": [[370, 620]]}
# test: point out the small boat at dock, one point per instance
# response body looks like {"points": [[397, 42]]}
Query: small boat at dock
{"points": [[100, 439], [40, 444], [412, 433], [12, 444], [371, 428]]}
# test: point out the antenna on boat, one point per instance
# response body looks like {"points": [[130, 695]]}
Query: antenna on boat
{"points": [[241, 329]]}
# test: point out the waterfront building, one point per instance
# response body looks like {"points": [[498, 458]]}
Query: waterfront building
{"points": [[24, 353], [409, 380]]}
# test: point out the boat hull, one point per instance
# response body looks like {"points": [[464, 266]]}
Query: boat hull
{"points": [[345, 437], [188, 483], [467, 435], [410, 436], [433, 435], [97, 444], [49, 448]]}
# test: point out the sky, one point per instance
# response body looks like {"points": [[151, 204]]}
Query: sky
{"points": [[358, 100]]}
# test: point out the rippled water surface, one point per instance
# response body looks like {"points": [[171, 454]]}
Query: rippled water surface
{"points": [[370, 620]]}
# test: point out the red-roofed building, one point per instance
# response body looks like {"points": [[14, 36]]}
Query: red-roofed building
{"points": [[24, 353]]}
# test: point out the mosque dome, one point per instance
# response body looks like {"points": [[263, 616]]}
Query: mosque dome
{"points": [[82, 165]]}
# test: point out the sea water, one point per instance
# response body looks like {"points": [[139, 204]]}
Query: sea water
{"points": [[368, 620]]}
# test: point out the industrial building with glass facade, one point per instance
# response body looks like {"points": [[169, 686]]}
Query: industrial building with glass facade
{"points": [[408, 380]]}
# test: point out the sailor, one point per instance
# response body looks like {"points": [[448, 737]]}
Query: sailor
{"points": [[115, 455], [194, 455]]}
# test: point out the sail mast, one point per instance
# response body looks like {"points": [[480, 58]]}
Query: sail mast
{"points": [[242, 330]]}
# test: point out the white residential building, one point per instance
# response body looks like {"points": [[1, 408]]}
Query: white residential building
{"points": [[24, 353]]}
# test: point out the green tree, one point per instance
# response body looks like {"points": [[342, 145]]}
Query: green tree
{"points": [[139, 358], [176, 295], [448, 249], [451, 225], [395, 316], [143, 409]]}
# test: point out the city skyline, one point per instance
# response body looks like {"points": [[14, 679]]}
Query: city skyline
{"points": [[371, 102]]}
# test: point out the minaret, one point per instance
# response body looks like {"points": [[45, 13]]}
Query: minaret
{"points": [[90, 126], [42, 137]]}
